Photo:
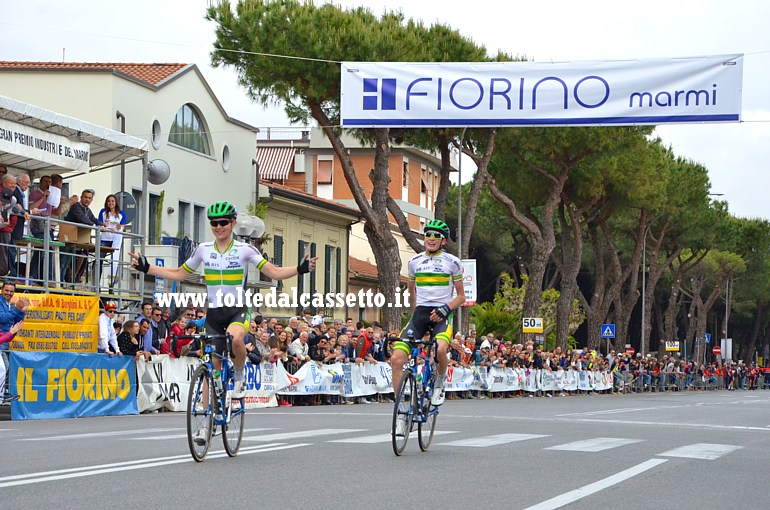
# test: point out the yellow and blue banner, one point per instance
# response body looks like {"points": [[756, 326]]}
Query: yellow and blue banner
{"points": [[68, 385], [55, 323]]}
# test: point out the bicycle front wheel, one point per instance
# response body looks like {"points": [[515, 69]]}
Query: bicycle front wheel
{"points": [[428, 424], [232, 431], [403, 413], [199, 417]]}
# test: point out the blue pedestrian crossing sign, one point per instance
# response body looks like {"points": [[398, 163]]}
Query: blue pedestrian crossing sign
{"points": [[608, 331], [708, 338]]}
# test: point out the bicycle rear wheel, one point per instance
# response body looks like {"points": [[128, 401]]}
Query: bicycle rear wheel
{"points": [[232, 431], [402, 413], [199, 417]]}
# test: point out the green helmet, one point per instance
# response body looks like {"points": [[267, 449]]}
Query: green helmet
{"points": [[437, 226], [222, 210]]}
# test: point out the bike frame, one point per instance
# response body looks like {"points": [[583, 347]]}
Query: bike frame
{"points": [[424, 382]]}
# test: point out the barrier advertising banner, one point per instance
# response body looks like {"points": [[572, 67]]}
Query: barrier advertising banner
{"points": [[57, 323], [67, 385], [493, 94]]}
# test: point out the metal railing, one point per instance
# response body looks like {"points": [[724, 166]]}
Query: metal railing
{"points": [[51, 263]]}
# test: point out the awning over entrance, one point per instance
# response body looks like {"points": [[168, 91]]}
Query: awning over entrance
{"points": [[275, 162], [39, 141]]}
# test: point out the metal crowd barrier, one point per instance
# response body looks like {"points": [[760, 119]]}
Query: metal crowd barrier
{"points": [[67, 264]]}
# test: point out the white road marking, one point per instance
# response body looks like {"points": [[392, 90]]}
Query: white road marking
{"points": [[64, 474], [667, 424], [498, 439], [705, 451], [301, 434], [594, 445], [89, 435], [572, 496], [384, 438], [617, 411], [184, 436]]}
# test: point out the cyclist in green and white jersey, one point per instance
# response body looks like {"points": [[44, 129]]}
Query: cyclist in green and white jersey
{"points": [[225, 261], [434, 276]]}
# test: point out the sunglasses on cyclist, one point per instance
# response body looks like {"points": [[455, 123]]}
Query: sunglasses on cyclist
{"points": [[433, 235], [219, 223]]}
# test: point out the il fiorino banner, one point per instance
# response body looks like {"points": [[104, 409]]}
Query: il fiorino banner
{"points": [[66, 385], [56, 323], [415, 94]]}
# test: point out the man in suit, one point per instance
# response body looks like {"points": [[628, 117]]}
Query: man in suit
{"points": [[79, 213], [22, 209]]}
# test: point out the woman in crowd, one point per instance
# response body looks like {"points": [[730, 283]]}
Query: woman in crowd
{"points": [[177, 329], [114, 221], [129, 342]]}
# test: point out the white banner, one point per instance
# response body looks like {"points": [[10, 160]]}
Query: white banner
{"points": [[165, 381], [429, 94], [469, 281], [31, 142]]}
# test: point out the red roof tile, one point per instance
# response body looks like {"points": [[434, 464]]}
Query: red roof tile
{"points": [[152, 74], [362, 268]]}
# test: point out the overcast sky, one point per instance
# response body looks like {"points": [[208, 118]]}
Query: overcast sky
{"points": [[736, 155]]}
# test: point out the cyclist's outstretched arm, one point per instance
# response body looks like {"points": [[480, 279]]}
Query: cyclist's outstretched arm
{"points": [[281, 273], [139, 262]]}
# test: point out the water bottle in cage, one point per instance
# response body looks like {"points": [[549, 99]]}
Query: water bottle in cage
{"points": [[218, 382]]}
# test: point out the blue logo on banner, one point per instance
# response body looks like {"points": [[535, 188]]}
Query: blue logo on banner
{"points": [[68, 385], [608, 331], [387, 95]]}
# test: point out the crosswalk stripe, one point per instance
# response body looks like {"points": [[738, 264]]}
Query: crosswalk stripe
{"points": [[302, 433], [184, 436], [594, 445], [90, 435], [705, 451], [383, 438], [498, 439]]}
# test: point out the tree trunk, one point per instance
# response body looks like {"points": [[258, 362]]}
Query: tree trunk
{"points": [[571, 259]]}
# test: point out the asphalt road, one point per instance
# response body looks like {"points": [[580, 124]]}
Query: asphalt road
{"points": [[686, 450]]}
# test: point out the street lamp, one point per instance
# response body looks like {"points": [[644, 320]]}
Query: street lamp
{"points": [[460, 220]]}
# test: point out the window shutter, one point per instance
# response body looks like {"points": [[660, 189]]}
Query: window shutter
{"points": [[278, 256], [312, 273], [327, 269], [339, 270], [300, 255]]}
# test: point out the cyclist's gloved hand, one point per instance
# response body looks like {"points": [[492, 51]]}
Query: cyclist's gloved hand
{"points": [[142, 264], [304, 266], [443, 311]]}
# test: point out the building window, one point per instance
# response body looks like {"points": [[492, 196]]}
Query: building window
{"points": [[153, 228], [325, 170], [226, 158], [183, 226], [405, 175], [189, 130], [199, 216], [156, 134], [140, 212]]}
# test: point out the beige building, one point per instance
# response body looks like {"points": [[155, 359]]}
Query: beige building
{"points": [[309, 164], [297, 224], [210, 154]]}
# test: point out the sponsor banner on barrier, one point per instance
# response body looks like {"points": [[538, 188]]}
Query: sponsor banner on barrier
{"points": [[67, 385], [164, 382], [55, 323]]}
